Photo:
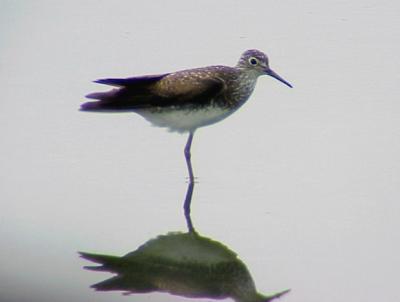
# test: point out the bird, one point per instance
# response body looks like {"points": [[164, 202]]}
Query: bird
{"points": [[183, 264], [185, 100]]}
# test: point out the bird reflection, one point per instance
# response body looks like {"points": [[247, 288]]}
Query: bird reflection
{"points": [[184, 264]]}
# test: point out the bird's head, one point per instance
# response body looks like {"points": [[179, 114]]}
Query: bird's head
{"points": [[258, 62]]}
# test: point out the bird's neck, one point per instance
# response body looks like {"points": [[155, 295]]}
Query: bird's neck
{"points": [[244, 87]]}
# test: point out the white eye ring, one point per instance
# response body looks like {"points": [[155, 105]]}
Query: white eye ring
{"points": [[253, 61]]}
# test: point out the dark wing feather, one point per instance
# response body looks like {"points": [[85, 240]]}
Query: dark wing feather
{"points": [[131, 283], [133, 81], [142, 92]]}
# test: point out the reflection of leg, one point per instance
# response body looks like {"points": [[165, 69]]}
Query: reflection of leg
{"points": [[189, 193], [186, 206]]}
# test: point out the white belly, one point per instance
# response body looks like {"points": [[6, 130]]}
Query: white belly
{"points": [[185, 120]]}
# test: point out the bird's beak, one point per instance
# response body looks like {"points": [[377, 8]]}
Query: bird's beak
{"points": [[273, 74]]}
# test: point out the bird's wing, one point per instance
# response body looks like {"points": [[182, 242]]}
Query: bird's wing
{"points": [[153, 91], [180, 89]]}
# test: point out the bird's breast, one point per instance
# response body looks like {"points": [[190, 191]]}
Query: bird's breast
{"points": [[185, 119]]}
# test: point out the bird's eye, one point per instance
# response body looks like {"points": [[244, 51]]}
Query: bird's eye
{"points": [[253, 61]]}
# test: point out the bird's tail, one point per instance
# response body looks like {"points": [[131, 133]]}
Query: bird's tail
{"points": [[132, 93], [128, 278], [108, 263], [104, 101]]}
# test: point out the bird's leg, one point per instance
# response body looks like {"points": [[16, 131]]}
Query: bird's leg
{"points": [[189, 192], [188, 155]]}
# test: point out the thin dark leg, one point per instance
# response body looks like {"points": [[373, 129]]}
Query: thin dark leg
{"points": [[187, 156], [189, 192]]}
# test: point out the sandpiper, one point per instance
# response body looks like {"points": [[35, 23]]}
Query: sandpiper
{"points": [[185, 100]]}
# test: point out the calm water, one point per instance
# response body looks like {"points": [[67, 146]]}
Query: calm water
{"points": [[303, 183]]}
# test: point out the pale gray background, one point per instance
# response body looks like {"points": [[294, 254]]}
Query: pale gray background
{"points": [[302, 183]]}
